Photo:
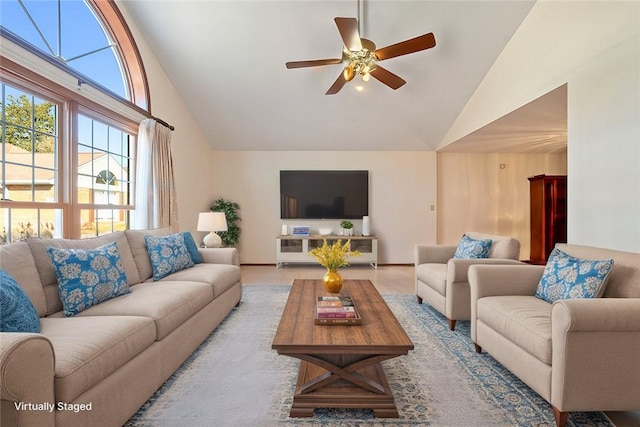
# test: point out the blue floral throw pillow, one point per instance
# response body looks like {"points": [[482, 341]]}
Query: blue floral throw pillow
{"points": [[17, 313], [192, 247], [168, 254], [471, 248], [88, 277], [566, 277]]}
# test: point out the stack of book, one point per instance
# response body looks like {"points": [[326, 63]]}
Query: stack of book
{"points": [[336, 310]]}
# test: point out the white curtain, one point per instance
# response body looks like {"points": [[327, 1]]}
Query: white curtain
{"points": [[155, 195]]}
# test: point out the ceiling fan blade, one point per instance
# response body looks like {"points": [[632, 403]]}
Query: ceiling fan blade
{"points": [[337, 85], [387, 77], [312, 63], [416, 44], [348, 28]]}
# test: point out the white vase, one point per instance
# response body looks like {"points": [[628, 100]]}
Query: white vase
{"points": [[366, 229]]}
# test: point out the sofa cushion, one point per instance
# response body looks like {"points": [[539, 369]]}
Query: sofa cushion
{"points": [[435, 275], [139, 249], [469, 248], [17, 313], [168, 303], [168, 254], [523, 319], [192, 247], [220, 276], [47, 273], [88, 349], [88, 277], [16, 259], [568, 277]]}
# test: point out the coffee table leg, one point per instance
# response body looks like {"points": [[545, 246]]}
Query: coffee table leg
{"points": [[307, 398]]}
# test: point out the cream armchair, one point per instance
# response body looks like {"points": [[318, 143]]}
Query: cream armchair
{"points": [[577, 354], [442, 281]]}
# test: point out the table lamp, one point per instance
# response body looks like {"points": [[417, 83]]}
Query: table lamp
{"points": [[212, 222]]}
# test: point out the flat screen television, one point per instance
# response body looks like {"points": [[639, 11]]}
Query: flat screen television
{"points": [[324, 194]]}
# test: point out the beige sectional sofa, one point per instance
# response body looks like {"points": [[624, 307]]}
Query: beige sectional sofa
{"points": [[578, 354], [101, 365]]}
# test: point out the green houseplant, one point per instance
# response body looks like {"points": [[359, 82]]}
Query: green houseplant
{"points": [[346, 226], [230, 209]]}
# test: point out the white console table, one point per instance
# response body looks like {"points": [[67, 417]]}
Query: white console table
{"points": [[296, 248]]}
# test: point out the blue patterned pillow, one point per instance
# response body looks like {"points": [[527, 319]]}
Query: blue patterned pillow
{"points": [[566, 277], [168, 254], [88, 277], [471, 248], [192, 247], [17, 313]]}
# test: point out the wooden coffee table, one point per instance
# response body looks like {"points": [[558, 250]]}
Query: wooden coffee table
{"points": [[340, 364]]}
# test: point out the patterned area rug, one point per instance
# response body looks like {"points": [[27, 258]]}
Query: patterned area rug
{"points": [[236, 379]]}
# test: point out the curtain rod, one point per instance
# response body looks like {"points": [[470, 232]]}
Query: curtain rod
{"points": [[162, 122]]}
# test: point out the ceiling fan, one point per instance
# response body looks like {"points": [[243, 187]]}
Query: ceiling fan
{"points": [[362, 57]]}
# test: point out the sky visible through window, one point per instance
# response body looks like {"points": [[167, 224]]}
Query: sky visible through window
{"points": [[68, 30]]}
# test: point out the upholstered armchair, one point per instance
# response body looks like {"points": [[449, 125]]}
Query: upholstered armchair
{"points": [[441, 279]]}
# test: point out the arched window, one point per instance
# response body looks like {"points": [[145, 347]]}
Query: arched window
{"points": [[68, 158], [89, 39], [107, 178]]}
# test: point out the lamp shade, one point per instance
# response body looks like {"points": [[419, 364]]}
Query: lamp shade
{"points": [[212, 221]]}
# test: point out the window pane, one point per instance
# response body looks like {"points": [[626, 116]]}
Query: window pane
{"points": [[20, 224], [76, 38], [97, 222], [103, 177], [29, 162]]}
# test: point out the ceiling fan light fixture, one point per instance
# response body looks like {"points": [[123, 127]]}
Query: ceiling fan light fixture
{"points": [[366, 76], [349, 72]]}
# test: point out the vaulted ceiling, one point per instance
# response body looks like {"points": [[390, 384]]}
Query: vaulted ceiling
{"points": [[227, 60]]}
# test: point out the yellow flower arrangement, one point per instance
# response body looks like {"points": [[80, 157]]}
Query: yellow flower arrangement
{"points": [[333, 256]]}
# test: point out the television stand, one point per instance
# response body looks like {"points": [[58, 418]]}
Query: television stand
{"points": [[295, 249]]}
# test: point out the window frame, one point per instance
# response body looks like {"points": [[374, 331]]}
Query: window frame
{"points": [[43, 81]]}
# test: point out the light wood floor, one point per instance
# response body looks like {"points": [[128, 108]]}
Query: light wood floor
{"points": [[387, 279], [396, 279]]}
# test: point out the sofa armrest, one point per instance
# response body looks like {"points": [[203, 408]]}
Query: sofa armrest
{"points": [[27, 368], [433, 254], [458, 268], [494, 280], [595, 354], [219, 255]]}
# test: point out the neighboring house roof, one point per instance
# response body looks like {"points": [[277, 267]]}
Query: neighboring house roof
{"points": [[19, 161]]}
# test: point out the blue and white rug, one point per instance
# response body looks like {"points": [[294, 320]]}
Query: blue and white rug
{"points": [[235, 379]]}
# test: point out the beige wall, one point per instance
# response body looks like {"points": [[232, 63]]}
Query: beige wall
{"points": [[402, 187], [557, 44], [476, 193]]}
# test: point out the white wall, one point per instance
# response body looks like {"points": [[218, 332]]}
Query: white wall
{"points": [[604, 150], [402, 187], [190, 150], [595, 48]]}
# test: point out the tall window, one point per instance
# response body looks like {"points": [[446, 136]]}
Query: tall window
{"points": [[30, 165], [105, 163], [67, 160]]}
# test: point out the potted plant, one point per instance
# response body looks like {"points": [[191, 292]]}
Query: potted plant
{"points": [[230, 209], [347, 227], [332, 257]]}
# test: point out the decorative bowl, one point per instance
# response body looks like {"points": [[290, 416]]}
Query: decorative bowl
{"points": [[324, 231]]}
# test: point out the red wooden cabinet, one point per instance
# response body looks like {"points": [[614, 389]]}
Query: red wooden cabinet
{"points": [[548, 204]]}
